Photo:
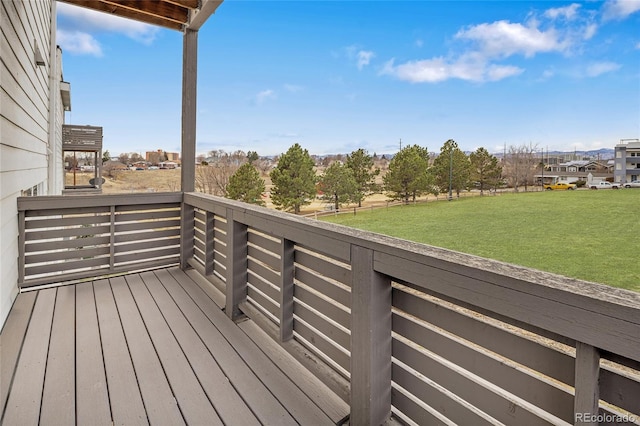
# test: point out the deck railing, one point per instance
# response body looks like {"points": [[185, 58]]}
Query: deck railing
{"points": [[424, 334], [64, 238]]}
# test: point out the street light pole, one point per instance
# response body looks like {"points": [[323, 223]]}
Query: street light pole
{"points": [[450, 173]]}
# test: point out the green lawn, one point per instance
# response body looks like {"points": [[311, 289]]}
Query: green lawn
{"points": [[591, 235]]}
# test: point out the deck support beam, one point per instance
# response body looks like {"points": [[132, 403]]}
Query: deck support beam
{"points": [[370, 341], [189, 92], [587, 394], [236, 276], [287, 271]]}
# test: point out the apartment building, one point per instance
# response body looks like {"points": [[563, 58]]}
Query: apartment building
{"points": [[627, 161]]}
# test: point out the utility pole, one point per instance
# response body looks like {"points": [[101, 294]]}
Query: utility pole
{"points": [[400, 144], [450, 173]]}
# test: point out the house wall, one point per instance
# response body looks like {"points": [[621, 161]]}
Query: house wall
{"points": [[25, 146]]}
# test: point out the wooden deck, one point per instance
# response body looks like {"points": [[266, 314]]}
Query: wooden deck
{"points": [[148, 348]]}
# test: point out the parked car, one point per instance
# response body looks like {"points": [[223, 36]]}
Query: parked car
{"points": [[604, 185], [560, 186], [634, 184]]}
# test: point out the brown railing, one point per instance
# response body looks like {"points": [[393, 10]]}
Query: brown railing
{"points": [[397, 328], [74, 237], [427, 334]]}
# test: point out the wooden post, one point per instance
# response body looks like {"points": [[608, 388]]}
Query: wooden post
{"points": [[587, 392], [209, 243], [21, 246], [236, 266], [189, 92], [112, 237], [286, 289], [187, 234], [370, 341]]}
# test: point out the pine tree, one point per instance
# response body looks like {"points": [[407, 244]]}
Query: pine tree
{"points": [[361, 164], [294, 180], [408, 176], [485, 169], [451, 168], [338, 184], [246, 185]]}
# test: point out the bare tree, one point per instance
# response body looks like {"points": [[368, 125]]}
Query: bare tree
{"points": [[213, 178], [520, 165]]}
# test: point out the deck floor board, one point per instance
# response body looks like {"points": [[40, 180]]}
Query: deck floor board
{"points": [[147, 348], [58, 398]]}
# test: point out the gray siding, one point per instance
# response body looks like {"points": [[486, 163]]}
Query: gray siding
{"points": [[24, 123]]}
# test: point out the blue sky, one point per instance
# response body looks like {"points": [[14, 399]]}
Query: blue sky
{"points": [[336, 76]]}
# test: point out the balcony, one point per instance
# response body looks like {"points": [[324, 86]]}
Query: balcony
{"points": [[187, 308]]}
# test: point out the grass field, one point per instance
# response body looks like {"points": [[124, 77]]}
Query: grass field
{"points": [[591, 235]]}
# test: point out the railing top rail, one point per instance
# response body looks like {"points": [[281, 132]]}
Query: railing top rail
{"points": [[603, 316], [56, 202]]}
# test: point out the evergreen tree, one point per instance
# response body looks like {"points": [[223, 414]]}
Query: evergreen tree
{"points": [[294, 180], [339, 184], [106, 156], [485, 169], [361, 164], [252, 156], [246, 185], [408, 175], [451, 168]]}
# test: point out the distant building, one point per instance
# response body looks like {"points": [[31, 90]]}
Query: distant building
{"points": [[573, 171], [627, 161], [155, 157]]}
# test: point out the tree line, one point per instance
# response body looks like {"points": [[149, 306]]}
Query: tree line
{"points": [[412, 172]]}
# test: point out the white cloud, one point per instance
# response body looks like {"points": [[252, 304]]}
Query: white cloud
{"points": [[419, 43], [265, 95], [78, 43], [547, 74], [293, 88], [87, 20], [361, 57], [599, 68], [620, 9], [468, 68], [589, 31], [499, 72], [567, 12], [364, 58], [503, 39]]}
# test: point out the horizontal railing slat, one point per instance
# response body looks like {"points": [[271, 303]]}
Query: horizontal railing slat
{"points": [[89, 231], [270, 245], [78, 253], [146, 245], [329, 307], [517, 381], [312, 280], [66, 244], [91, 218], [146, 235], [263, 302], [321, 344], [482, 395], [316, 320], [155, 224], [511, 345], [326, 267], [53, 268], [446, 403]]}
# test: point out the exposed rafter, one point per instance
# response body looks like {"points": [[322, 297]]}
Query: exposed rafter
{"points": [[174, 14]]}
